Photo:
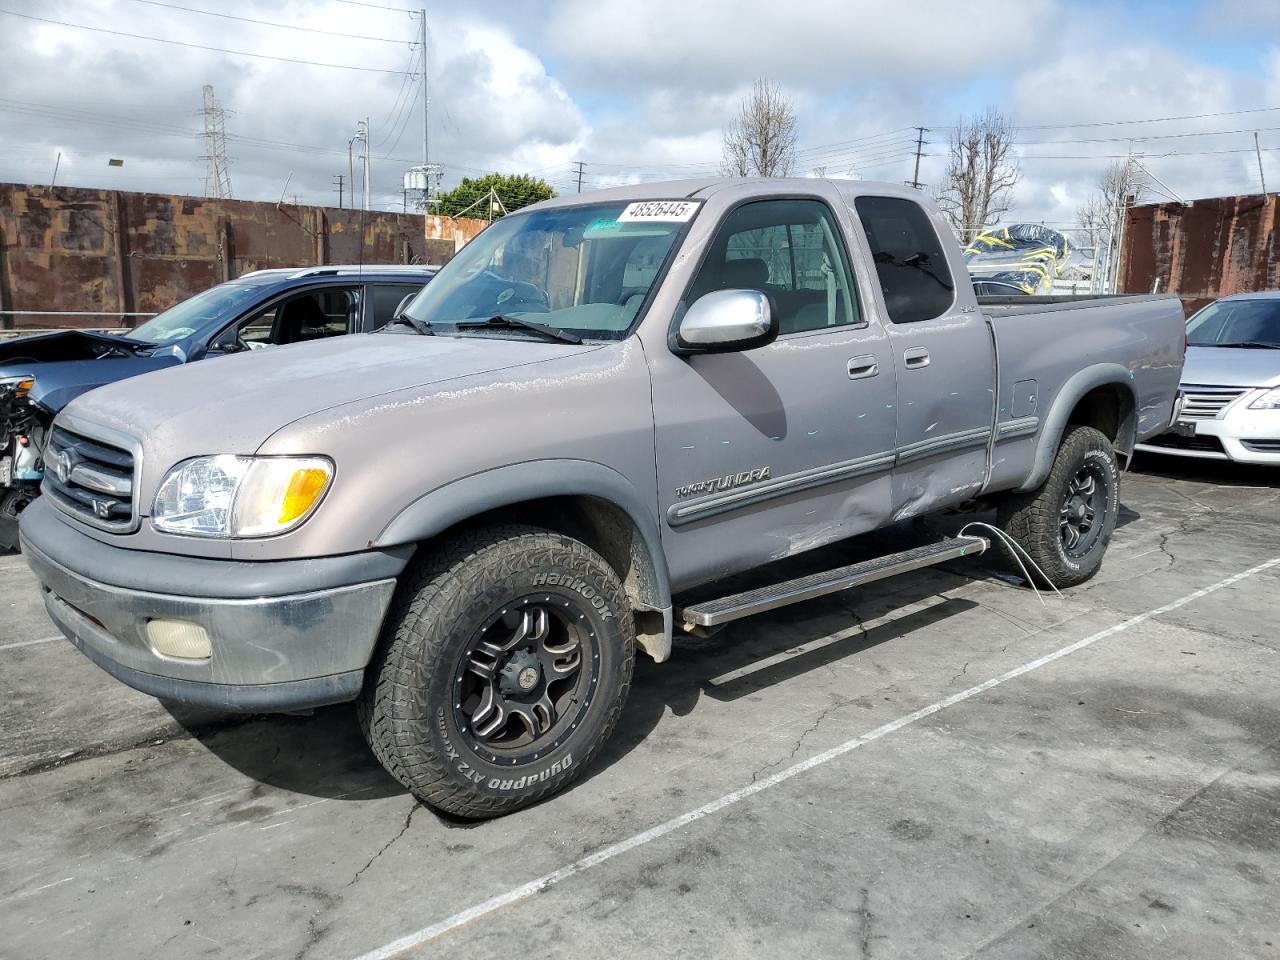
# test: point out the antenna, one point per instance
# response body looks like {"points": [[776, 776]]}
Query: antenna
{"points": [[217, 177]]}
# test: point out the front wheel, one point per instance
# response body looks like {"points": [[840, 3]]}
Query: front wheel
{"points": [[1067, 524], [503, 669]]}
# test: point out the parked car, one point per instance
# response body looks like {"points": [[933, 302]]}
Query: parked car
{"points": [[42, 373], [1230, 384], [602, 402]]}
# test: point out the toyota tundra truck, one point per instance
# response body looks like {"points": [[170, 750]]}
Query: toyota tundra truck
{"points": [[469, 521]]}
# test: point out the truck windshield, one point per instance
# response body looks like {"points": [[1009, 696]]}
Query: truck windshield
{"points": [[1230, 323], [585, 270], [188, 316]]}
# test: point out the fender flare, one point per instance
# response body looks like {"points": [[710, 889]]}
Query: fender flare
{"points": [[1070, 394], [478, 493]]}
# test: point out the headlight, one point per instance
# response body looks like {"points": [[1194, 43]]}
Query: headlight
{"points": [[230, 496], [20, 386], [1268, 401]]}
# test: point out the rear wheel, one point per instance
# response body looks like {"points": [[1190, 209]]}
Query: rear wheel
{"points": [[502, 671], [1067, 524]]}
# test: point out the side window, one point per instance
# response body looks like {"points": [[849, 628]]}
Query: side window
{"points": [[791, 250], [314, 315], [910, 262], [383, 300], [257, 331]]}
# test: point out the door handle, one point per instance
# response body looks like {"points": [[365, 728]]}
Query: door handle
{"points": [[916, 357], [862, 367]]}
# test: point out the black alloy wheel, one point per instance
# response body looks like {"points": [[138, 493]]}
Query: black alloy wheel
{"points": [[526, 679]]}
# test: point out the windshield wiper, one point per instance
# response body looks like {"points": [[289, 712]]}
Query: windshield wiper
{"points": [[504, 322], [1248, 344], [422, 326]]}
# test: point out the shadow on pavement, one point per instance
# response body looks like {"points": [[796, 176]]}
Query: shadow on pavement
{"points": [[321, 755]]}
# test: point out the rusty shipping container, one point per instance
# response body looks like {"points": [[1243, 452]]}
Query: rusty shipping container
{"points": [[86, 250], [1203, 250]]}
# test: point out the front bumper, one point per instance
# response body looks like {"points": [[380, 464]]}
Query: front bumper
{"points": [[285, 635], [1237, 433]]}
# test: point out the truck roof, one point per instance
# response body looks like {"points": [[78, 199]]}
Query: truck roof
{"points": [[700, 189]]}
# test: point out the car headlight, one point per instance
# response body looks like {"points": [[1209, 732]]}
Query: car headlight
{"points": [[234, 497], [1268, 401], [20, 386]]}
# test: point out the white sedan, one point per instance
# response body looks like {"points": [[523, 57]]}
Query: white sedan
{"points": [[1230, 384]]}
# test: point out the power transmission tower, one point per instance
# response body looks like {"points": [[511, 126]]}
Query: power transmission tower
{"points": [[338, 181], [217, 176], [915, 177], [579, 165]]}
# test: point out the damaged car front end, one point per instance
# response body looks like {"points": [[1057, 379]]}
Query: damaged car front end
{"points": [[39, 375], [22, 434]]}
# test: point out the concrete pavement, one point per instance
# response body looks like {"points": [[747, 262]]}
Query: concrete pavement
{"points": [[1119, 800]]}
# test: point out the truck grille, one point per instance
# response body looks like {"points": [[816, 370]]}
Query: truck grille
{"points": [[89, 479], [1205, 403]]}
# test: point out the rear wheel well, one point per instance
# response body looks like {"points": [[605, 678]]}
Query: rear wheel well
{"points": [[1110, 409]]}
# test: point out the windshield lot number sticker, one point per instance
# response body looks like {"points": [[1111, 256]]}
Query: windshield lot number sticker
{"points": [[658, 211]]}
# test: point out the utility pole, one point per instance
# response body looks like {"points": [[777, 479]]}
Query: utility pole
{"points": [[1258, 150], [338, 181], [915, 177], [579, 165], [351, 173], [367, 158], [426, 100], [362, 135]]}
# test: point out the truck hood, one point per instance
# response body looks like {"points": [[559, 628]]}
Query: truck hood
{"points": [[233, 404], [1232, 367]]}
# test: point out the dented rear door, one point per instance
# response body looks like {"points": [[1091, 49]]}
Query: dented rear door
{"points": [[941, 346]]}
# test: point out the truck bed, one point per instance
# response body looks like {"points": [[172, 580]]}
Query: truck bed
{"points": [[1040, 343]]}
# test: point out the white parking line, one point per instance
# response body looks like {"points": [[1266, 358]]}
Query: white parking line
{"points": [[29, 643], [494, 904]]}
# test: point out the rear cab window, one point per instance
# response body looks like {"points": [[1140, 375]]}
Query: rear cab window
{"points": [[910, 261]]}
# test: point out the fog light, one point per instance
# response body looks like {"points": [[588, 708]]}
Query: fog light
{"points": [[179, 638]]}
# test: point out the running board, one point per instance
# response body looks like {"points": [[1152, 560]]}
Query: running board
{"points": [[713, 613]]}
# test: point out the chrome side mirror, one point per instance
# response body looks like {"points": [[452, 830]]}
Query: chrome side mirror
{"points": [[724, 321]]}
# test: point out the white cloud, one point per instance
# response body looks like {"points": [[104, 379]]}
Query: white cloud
{"points": [[637, 91]]}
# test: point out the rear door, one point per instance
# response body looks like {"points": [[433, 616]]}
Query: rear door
{"points": [[942, 349], [772, 451]]}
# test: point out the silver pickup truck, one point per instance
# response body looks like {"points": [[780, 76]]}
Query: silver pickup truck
{"points": [[469, 521]]}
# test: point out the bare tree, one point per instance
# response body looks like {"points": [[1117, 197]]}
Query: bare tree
{"points": [[981, 172], [761, 140], [1100, 214]]}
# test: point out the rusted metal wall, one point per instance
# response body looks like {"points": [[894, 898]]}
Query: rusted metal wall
{"points": [[1204, 250], [79, 250]]}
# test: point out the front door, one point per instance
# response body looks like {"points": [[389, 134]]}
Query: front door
{"points": [[943, 354], [769, 452]]}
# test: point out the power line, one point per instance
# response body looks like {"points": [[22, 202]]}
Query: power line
{"points": [[378, 6], [268, 23], [898, 133], [200, 46], [1121, 123], [397, 105], [1154, 136]]}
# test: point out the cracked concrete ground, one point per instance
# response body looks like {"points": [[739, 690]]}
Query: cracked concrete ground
{"points": [[1122, 801]]}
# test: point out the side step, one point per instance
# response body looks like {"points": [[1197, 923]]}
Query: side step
{"points": [[713, 613]]}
